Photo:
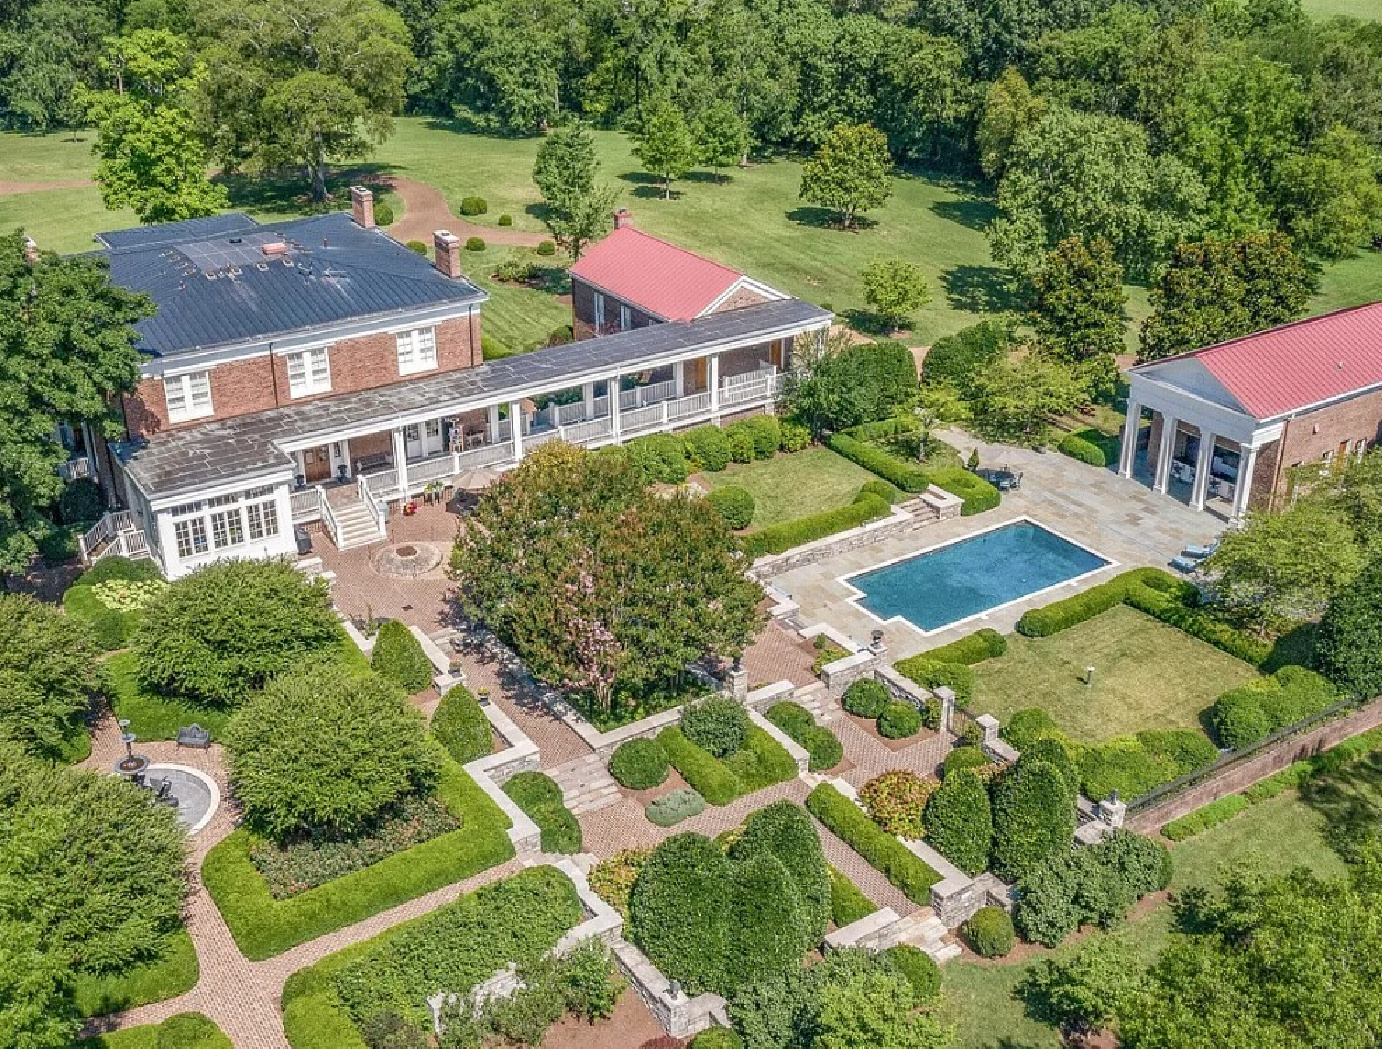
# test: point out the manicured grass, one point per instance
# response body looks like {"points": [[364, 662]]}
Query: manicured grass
{"points": [[153, 716], [794, 485], [1147, 675], [182, 1031], [263, 926], [173, 973], [1353, 8]]}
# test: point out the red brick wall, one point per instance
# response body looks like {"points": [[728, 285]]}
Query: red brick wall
{"points": [[256, 384], [741, 298], [1264, 475], [583, 311], [1359, 418]]}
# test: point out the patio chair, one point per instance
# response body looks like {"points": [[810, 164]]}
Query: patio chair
{"points": [[1199, 553]]}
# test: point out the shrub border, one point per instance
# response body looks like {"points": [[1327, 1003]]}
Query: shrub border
{"points": [[847, 821]]}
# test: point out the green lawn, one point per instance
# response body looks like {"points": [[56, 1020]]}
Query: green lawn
{"points": [[173, 973], [1147, 675], [151, 715], [1354, 8], [183, 1031], [795, 485]]}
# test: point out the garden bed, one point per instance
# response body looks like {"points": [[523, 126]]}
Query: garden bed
{"points": [[181, 1031], [263, 926], [760, 763]]}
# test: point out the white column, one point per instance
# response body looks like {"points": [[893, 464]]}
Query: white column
{"points": [[1128, 450], [1247, 460], [588, 396], [492, 424], [714, 372], [612, 386], [400, 462], [1163, 456], [1203, 463], [516, 422], [679, 378]]}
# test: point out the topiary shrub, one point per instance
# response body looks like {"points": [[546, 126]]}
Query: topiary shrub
{"points": [[824, 747], [546, 248], [218, 634], [740, 443], [717, 725], [471, 206], [866, 698], [709, 776], [639, 764], [966, 757], [80, 501], [793, 437], [671, 809], [398, 656], [1251, 712], [1028, 725], [899, 720], [709, 447], [1033, 818], [734, 504], [989, 932], [506, 219], [977, 647], [896, 800], [784, 830], [916, 967], [660, 457], [475, 244], [461, 727], [418, 246], [959, 821], [767, 435], [538, 795], [383, 214], [1085, 451], [369, 750], [931, 675], [1054, 750]]}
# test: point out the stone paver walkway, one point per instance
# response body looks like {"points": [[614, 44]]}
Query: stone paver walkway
{"points": [[425, 211]]}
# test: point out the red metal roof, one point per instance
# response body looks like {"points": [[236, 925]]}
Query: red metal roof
{"points": [[1306, 362], [661, 278]]}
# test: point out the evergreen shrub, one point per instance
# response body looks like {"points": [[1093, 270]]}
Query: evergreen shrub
{"points": [[717, 725], [866, 698], [989, 932], [461, 727], [475, 244], [734, 504], [899, 720], [959, 820], [639, 764], [471, 206], [398, 656]]}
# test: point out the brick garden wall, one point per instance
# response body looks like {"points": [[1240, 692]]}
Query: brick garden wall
{"points": [[1258, 767]]}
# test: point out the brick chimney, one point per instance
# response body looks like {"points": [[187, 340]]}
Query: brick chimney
{"points": [[447, 247], [623, 217], [362, 207]]}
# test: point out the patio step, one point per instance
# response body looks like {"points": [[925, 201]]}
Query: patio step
{"points": [[924, 930], [586, 785], [357, 526]]}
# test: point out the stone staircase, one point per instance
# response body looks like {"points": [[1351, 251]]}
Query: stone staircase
{"points": [[923, 929], [356, 525], [586, 785]]}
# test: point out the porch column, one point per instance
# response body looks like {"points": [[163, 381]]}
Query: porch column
{"points": [[1203, 463], [1128, 450], [714, 372], [516, 422], [588, 396], [679, 379], [615, 430], [1169, 423], [1242, 492], [400, 462]]}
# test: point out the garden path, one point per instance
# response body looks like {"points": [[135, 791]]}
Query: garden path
{"points": [[425, 211]]}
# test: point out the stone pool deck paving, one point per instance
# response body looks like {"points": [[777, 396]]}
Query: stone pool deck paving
{"points": [[1117, 517]]}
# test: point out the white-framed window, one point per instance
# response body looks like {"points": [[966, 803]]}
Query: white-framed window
{"points": [[191, 536], [433, 427], [227, 528], [263, 519], [417, 350], [599, 311], [188, 396], [625, 318], [308, 372]]}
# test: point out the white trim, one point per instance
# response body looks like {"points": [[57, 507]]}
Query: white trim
{"points": [[743, 283], [309, 386], [856, 595], [206, 780], [190, 411], [421, 349]]}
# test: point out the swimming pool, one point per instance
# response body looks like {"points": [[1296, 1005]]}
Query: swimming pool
{"points": [[944, 585]]}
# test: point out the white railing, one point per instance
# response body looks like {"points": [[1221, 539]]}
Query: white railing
{"points": [[104, 531], [748, 388], [590, 430], [534, 440], [374, 499], [570, 413], [651, 394], [642, 418], [601, 406], [485, 455], [684, 406], [504, 431], [307, 505], [75, 468], [333, 527], [435, 469]]}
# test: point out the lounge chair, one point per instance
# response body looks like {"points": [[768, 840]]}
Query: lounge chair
{"points": [[1199, 553], [1185, 564]]}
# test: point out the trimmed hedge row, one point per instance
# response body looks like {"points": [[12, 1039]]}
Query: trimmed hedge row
{"points": [[760, 762], [847, 903], [983, 644], [1061, 615], [819, 742], [1244, 715], [881, 850], [779, 538], [931, 675], [977, 494], [538, 795], [1085, 451], [901, 475]]}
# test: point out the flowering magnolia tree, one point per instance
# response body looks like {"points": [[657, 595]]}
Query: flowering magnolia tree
{"points": [[603, 587]]}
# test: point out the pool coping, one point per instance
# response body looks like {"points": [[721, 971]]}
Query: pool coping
{"points": [[856, 595]]}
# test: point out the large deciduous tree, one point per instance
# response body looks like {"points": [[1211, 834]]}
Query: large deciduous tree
{"points": [[852, 172], [601, 585], [837, 384], [576, 210], [666, 145], [299, 83], [1217, 289], [152, 158], [48, 670], [1077, 301], [1014, 400], [1329, 199], [68, 345], [1081, 174], [1009, 108], [1348, 645], [895, 289]]}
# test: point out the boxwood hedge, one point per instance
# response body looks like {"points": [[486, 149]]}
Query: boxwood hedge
{"points": [[776, 539], [975, 648], [398, 656], [881, 850], [639, 764], [820, 743], [1085, 451], [461, 727], [538, 795]]}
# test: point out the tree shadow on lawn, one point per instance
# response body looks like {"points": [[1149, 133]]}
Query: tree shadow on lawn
{"points": [[870, 323], [462, 124], [291, 192], [970, 212], [1350, 800], [825, 218], [978, 289]]}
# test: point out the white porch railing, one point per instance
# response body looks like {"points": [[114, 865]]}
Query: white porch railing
{"points": [[570, 413], [754, 386], [115, 533], [591, 430], [426, 471], [643, 418], [307, 505], [75, 468], [375, 499], [684, 406], [333, 527], [650, 394], [485, 455]]}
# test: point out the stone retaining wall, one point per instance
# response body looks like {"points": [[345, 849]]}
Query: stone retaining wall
{"points": [[899, 522], [1258, 766]]}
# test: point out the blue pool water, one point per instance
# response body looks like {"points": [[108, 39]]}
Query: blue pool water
{"points": [[950, 583]]}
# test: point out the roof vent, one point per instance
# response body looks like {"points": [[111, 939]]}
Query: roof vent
{"points": [[274, 247], [237, 240]]}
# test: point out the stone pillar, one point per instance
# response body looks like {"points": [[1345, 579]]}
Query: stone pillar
{"points": [[1169, 424], [1242, 492], [1203, 463], [988, 724], [400, 462], [614, 426], [739, 682], [714, 373], [1113, 812], [946, 696], [516, 422], [1127, 453], [492, 424]]}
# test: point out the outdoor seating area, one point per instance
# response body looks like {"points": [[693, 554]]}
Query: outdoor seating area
{"points": [[1004, 478]]}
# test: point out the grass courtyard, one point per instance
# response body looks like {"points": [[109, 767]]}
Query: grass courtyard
{"points": [[795, 485], [1147, 675]]}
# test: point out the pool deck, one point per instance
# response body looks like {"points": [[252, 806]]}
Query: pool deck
{"points": [[1117, 518]]}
